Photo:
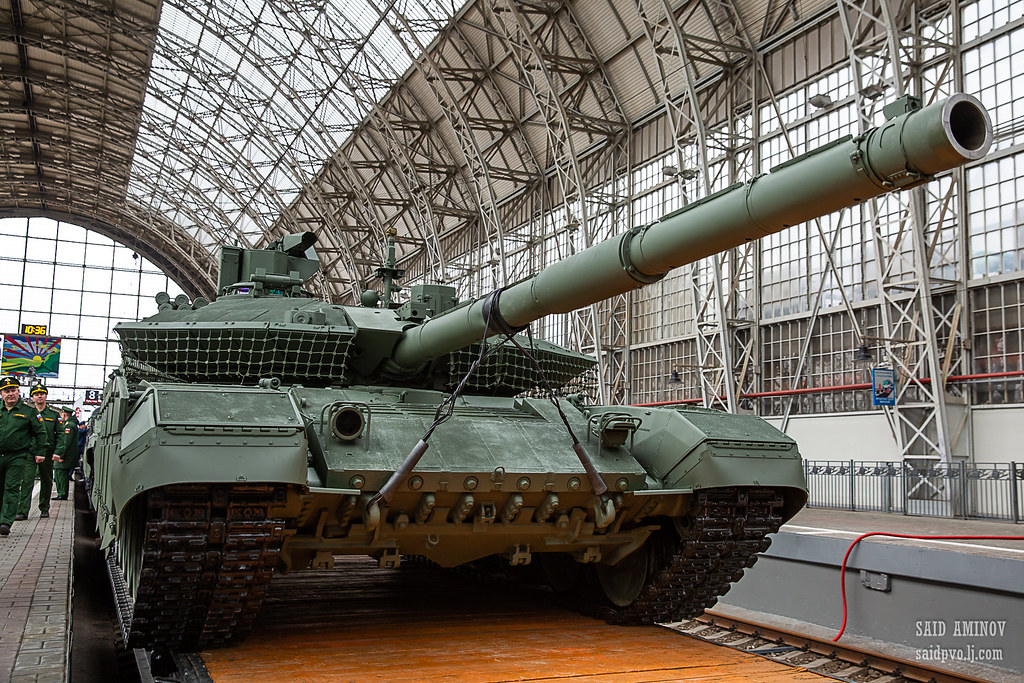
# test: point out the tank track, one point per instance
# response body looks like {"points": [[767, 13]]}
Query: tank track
{"points": [[207, 555], [730, 527]]}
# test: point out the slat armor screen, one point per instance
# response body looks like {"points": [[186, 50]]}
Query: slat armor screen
{"points": [[239, 354], [508, 371]]}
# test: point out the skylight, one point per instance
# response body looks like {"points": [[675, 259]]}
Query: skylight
{"points": [[248, 99]]}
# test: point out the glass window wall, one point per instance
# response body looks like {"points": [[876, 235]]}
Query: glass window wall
{"points": [[79, 284]]}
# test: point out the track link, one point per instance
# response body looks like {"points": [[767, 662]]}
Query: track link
{"points": [[207, 555], [729, 529]]}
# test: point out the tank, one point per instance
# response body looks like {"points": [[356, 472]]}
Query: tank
{"points": [[267, 431]]}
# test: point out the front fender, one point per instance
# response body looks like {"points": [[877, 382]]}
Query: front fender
{"points": [[185, 434], [685, 448]]}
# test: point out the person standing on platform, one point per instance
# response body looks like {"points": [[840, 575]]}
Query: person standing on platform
{"points": [[69, 458], [21, 438], [83, 438], [43, 462], [83, 434]]}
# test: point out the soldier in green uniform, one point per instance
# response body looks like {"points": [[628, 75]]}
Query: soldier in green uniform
{"points": [[21, 438], [43, 462], [69, 458]]}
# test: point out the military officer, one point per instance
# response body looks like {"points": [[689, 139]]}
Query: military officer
{"points": [[43, 462], [21, 437], [69, 458]]}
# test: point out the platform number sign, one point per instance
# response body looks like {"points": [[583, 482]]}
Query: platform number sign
{"points": [[92, 396]]}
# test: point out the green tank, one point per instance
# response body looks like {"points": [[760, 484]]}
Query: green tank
{"points": [[268, 432]]}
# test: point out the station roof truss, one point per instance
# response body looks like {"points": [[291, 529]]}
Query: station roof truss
{"points": [[176, 127]]}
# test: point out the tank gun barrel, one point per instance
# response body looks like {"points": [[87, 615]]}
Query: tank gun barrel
{"points": [[907, 150]]}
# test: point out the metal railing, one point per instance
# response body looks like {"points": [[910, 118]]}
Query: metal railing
{"points": [[992, 491]]}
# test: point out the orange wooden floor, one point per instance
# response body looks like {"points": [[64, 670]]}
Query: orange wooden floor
{"points": [[360, 623]]}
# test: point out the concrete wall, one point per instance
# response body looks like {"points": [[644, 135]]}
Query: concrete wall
{"points": [[854, 436], [996, 434]]}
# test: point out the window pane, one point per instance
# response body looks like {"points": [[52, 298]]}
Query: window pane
{"points": [[68, 371], [14, 226], [124, 306], [89, 376], [63, 326], [99, 255], [97, 280], [69, 232], [94, 328], [68, 350], [123, 258], [96, 303], [10, 295], [14, 271], [125, 281], [92, 352], [43, 227], [67, 302], [35, 318], [68, 277], [36, 299], [12, 247], [72, 253], [147, 306], [9, 322], [96, 238], [40, 250], [152, 284], [40, 274]]}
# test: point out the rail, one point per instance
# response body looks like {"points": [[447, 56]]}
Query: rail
{"points": [[976, 378], [813, 653]]}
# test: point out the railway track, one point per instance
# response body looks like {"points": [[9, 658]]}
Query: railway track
{"points": [[807, 653], [397, 615]]}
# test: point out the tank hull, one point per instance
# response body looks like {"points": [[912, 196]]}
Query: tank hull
{"points": [[270, 479]]}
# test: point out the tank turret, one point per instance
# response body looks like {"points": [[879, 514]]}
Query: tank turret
{"points": [[267, 431]]}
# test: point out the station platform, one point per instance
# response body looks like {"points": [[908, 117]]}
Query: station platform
{"points": [[846, 524], [954, 602], [35, 595]]}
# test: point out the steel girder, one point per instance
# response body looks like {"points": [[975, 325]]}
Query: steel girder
{"points": [[72, 84], [538, 35], [892, 46]]}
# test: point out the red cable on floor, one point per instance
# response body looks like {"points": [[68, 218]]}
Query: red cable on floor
{"points": [[842, 570]]}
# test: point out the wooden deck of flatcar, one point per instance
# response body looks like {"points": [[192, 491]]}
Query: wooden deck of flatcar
{"points": [[358, 622]]}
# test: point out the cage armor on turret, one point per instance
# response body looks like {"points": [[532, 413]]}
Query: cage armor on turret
{"points": [[269, 431]]}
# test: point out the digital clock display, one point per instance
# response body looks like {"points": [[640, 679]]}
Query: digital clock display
{"points": [[34, 329]]}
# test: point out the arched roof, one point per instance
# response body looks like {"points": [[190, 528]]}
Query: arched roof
{"points": [[180, 126]]}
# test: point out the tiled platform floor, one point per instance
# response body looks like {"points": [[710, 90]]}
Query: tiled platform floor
{"points": [[35, 595]]}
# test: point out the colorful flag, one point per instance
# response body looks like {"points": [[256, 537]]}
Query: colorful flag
{"points": [[30, 355]]}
